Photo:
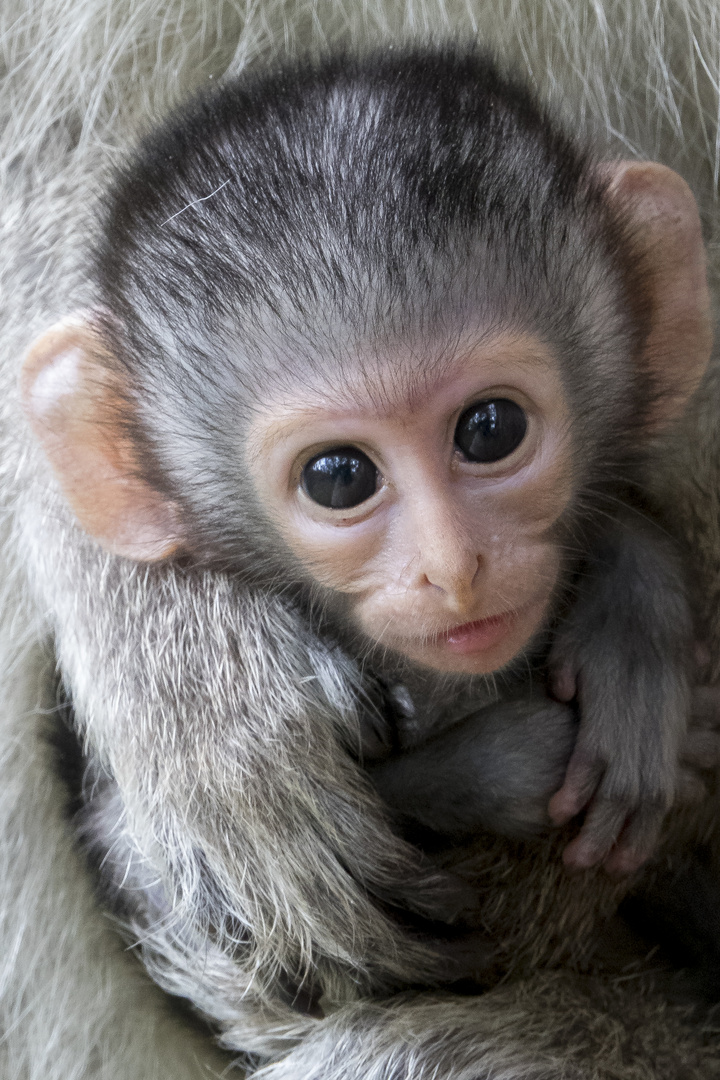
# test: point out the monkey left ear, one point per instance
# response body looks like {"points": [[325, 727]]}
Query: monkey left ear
{"points": [[79, 411], [665, 227]]}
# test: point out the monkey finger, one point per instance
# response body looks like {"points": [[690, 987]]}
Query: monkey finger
{"points": [[637, 842], [603, 825], [582, 777]]}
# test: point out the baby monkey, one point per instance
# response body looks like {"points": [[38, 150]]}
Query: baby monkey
{"points": [[375, 336]]}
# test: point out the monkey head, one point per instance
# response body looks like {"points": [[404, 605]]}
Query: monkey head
{"points": [[403, 364]]}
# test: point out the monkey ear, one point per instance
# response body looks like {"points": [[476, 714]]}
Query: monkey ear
{"points": [[79, 413], [666, 231]]}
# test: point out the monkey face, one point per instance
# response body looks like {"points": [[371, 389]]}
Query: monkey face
{"points": [[434, 504]]}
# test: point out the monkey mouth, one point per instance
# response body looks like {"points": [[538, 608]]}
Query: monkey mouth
{"points": [[477, 636]]}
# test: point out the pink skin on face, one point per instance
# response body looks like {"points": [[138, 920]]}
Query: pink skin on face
{"points": [[478, 636], [450, 562]]}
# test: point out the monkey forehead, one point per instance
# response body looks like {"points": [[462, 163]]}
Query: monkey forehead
{"points": [[408, 386]]}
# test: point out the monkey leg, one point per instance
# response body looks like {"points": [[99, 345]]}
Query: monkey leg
{"points": [[496, 770]]}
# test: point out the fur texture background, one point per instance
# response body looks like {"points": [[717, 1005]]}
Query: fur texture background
{"points": [[80, 79]]}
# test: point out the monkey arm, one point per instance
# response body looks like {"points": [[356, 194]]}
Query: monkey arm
{"points": [[495, 770], [72, 994], [625, 651], [228, 751]]}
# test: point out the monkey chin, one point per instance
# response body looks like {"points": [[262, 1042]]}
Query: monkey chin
{"points": [[480, 647]]}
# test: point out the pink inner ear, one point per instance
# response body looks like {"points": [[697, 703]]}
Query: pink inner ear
{"points": [[666, 225], [122, 512], [73, 403]]}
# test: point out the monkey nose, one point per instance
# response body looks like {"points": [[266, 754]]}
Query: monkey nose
{"points": [[455, 578], [446, 556]]}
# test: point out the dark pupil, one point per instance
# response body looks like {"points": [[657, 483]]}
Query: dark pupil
{"points": [[490, 430], [340, 478]]}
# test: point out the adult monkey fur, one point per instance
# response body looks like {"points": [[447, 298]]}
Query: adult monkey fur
{"points": [[106, 1033]]}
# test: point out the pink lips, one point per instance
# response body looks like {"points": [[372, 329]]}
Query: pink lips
{"points": [[478, 636]]}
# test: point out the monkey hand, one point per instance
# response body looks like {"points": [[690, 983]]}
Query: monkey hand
{"points": [[699, 752], [624, 652], [624, 771]]}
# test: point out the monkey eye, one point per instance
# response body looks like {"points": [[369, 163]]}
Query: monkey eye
{"points": [[490, 430], [340, 478]]}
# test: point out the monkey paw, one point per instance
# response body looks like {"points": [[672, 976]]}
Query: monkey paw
{"points": [[616, 831], [624, 772]]}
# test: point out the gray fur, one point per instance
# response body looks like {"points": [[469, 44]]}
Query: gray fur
{"points": [[496, 769], [127, 640]]}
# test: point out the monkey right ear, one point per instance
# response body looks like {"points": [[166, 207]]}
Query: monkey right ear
{"points": [[78, 411], [667, 240]]}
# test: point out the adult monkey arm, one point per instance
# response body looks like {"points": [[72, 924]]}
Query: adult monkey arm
{"points": [[22, 335]]}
